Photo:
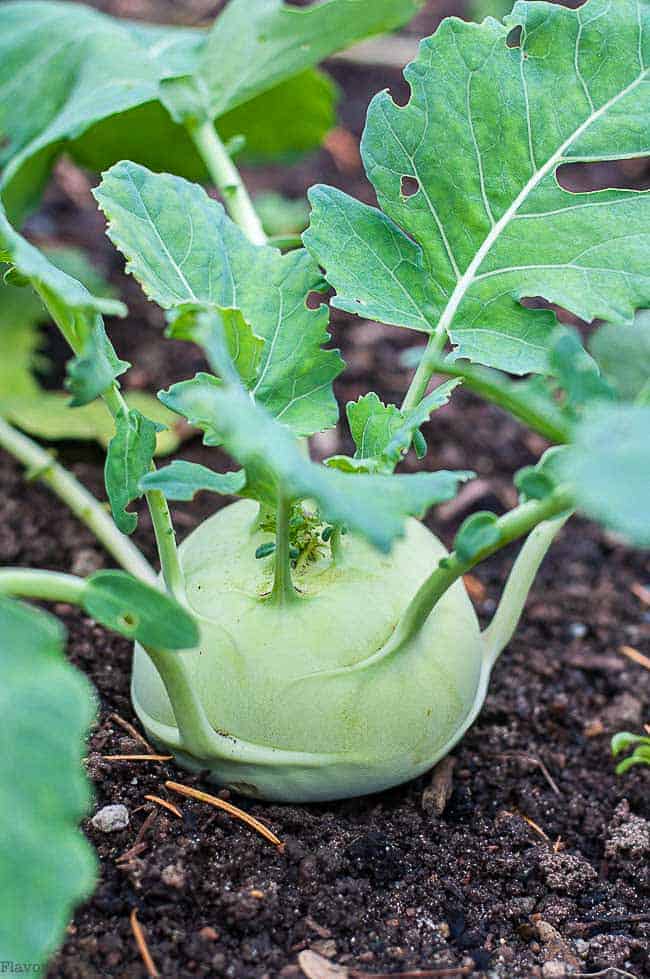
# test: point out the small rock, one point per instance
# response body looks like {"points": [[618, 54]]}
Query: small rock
{"points": [[86, 562], [627, 834], [173, 876], [565, 872], [577, 630], [325, 947], [625, 711], [209, 934], [555, 969], [110, 819]]}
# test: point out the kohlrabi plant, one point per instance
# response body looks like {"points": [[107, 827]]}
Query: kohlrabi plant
{"points": [[314, 640]]}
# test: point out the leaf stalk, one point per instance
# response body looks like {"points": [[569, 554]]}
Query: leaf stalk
{"points": [[283, 592], [227, 179], [83, 504]]}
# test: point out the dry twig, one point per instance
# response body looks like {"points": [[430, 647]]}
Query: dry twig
{"points": [[137, 757], [227, 807], [635, 655], [143, 948], [165, 804], [130, 729]]}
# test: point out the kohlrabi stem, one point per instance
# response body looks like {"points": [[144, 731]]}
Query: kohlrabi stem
{"points": [[513, 525], [283, 592], [424, 373], [50, 586], [42, 466], [228, 180], [197, 737], [547, 420]]}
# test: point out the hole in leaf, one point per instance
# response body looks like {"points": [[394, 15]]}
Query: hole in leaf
{"points": [[400, 92], [409, 186], [315, 299], [128, 621], [631, 174], [513, 39]]}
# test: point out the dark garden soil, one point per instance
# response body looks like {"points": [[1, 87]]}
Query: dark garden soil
{"points": [[528, 853]]}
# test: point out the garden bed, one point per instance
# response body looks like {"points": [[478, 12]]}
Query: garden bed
{"points": [[528, 852]]}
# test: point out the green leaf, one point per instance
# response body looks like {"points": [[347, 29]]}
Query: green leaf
{"points": [[383, 434], [47, 865], [47, 415], [373, 505], [210, 327], [129, 457], [76, 309], [624, 740], [183, 480], [136, 610], [576, 371], [609, 469], [95, 369], [281, 216], [623, 355], [276, 41], [489, 224], [533, 483], [477, 535], [74, 79], [182, 248]]}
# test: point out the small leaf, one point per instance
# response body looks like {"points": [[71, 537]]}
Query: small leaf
{"points": [[383, 434], [129, 457], [47, 865], [95, 369], [136, 610], [206, 260], [623, 355], [624, 740], [576, 371], [210, 328], [265, 550], [477, 535], [373, 505], [608, 467], [533, 483], [183, 480]]}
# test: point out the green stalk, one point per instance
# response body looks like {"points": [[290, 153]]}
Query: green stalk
{"points": [[513, 525], [424, 373], [547, 420], [160, 515], [50, 586], [41, 465], [228, 180], [283, 592]]}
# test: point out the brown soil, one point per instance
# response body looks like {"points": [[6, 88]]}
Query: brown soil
{"points": [[541, 853]]}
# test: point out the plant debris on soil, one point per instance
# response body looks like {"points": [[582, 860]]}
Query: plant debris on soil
{"points": [[524, 855]]}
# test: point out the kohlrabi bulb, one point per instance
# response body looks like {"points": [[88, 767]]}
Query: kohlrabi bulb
{"points": [[295, 714]]}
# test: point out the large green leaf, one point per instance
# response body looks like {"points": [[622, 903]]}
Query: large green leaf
{"points": [[183, 249], [276, 467], [256, 44], [46, 865], [71, 77], [609, 468], [483, 135]]}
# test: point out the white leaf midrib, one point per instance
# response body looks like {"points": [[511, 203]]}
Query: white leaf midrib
{"points": [[469, 276]]}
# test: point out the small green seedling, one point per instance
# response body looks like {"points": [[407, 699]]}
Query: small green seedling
{"points": [[639, 756], [314, 640]]}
